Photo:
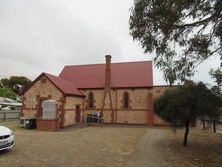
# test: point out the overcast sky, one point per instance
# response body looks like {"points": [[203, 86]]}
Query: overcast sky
{"points": [[45, 35]]}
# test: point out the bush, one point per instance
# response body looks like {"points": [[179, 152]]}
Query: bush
{"points": [[7, 92]]}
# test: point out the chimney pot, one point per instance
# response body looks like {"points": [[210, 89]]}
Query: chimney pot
{"points": [[108, 57], [108, 71]]}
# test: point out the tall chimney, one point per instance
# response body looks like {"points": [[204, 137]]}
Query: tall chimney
{"points": [[108, 72], [107, 90]]}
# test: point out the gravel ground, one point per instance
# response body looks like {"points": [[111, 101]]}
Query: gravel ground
{"points": [[88, 147], [153, 151], [113, 146]]}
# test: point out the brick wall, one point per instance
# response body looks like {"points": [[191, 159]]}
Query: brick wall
{"points": [[48, 125]]}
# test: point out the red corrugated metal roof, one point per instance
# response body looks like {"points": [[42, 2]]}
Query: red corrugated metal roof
{"points": [[123, 75], [65, 86]]}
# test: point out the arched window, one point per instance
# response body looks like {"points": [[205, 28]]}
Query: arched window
{"points": [[126, 100], [90, 100]]}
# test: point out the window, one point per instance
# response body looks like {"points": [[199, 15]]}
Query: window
{"points": [[126, 100], [43, 80], [90, 100]]}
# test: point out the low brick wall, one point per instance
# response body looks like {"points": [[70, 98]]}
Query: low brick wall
{"points": [[48, 125]]}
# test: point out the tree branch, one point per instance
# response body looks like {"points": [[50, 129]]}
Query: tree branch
{"points": [[197, 23]]}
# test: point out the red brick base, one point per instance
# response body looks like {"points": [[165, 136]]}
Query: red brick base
{"points": [[48, 125]]}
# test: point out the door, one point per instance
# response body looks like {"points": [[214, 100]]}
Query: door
{"points": [[78, 114]]}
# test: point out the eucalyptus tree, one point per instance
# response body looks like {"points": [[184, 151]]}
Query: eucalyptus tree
{"points": [[217, 76], [185, 104], [186, 31]]}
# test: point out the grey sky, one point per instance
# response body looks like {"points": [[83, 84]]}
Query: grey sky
{"points": [[45, 35]]}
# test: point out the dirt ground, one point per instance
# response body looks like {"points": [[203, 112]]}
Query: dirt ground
{"points": [[114, 146], [204, 148]]}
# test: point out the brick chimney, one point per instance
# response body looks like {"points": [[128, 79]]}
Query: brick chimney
{"points": [[107, 90], [108, 71]]}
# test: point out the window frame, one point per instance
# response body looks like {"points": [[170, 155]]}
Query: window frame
{"points": [[126, 100], [90, 100]]}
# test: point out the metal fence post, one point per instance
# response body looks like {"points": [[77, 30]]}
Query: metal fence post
{"points": [[4, 116]]}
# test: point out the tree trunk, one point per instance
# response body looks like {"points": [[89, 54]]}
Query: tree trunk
{"points": [[186, 134], [174, 127], [175, 130], [203, 121], [214, 126]]}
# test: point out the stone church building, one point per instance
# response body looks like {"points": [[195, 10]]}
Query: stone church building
{"points": [[122, 92]]}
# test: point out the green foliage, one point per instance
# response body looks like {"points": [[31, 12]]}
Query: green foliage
{"points": [[193, 27], [7, 92], [215, 90], [186, 103], [169, 73], [217, 76], [207, 103], [13, 80]]}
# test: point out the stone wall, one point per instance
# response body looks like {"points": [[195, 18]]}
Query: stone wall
{"points": [[41, 90], [137, 113], [140, 108], [138, 98], [70, 109], [159, 90], [132, 117]]}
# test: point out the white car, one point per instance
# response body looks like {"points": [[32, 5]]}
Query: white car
{"points": [[8, 108], [6, 138]]}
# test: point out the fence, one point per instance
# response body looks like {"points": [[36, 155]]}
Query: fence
{"points": [[6, 115]]}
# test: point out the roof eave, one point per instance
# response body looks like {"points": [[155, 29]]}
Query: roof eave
{"points": [[120, 87], [76, 95]]}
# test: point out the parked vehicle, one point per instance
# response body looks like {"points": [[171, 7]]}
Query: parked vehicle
{"points": [[6, 138], [7, 108]]}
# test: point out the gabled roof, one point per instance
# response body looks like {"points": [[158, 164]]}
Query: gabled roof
{"points": [[63, 85], [123, 75]]}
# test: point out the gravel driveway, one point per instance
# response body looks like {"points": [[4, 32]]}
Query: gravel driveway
{"points": [[153, 151], [91, 147]]}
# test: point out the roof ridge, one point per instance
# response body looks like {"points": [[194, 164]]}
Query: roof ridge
{"points": [[111, 63]]}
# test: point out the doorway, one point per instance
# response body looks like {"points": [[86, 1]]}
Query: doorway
{"points": [[78, 114]]}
